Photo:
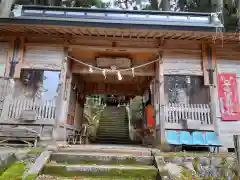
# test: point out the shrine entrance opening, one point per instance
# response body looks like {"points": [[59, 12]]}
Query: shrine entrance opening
{"points": [[108, 80]]}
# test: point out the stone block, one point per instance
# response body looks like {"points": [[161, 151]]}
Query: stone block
{"points": [[100, 158], [204, 161], [37, 167], [174, 170], [216, 162]]}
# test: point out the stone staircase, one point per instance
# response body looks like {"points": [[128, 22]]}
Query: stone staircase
{"points": [[113, 126], [102, 162]]}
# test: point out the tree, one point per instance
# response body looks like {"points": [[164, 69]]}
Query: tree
{"points": [[5, 7]]}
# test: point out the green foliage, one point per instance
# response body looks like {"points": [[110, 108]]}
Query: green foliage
{"points": [[35, 151], [90, 3], [31, 177], [14, 172]]}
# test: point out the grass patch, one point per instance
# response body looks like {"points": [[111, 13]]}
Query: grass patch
{"points": [[98, 178], [63, 171], [14, 172], [31, 177], [35, 151]]}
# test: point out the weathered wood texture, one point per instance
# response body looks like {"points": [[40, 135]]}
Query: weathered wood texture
{"points": [[227, 51], [4, 50], [43, 56], [182, 57]]}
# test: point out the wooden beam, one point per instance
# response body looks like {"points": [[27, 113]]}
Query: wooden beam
{"points": [[113, 49], [116, 89], [85, 71], [129, 49]]}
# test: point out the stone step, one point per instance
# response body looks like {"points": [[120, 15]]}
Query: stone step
{"points": [[138, 151], [113, 141], [123, 111], [135, 172], [114, 124], [113, 114], [117, 133], [100, 158], [48, 177], [111, 137], [111, 123], [115, 108], [113, 119], [115, 129], [111, 131]]}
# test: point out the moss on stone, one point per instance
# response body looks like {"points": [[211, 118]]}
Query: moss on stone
{"points": [[196, 164], [31, 177], [99, 178], [62, 171], [112, 161], [35, 151], [14, 172]]}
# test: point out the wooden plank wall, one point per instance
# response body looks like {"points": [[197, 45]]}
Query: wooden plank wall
{"points": [[182, 57], [43, 56]]}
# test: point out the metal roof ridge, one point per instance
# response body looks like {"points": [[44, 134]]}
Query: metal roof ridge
{"points": [[35, 7]]}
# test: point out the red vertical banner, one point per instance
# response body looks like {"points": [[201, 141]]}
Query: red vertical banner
{"points": [[228, 97], [150, 118]]}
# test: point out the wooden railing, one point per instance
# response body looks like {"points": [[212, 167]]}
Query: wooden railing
{"points": [[44, 109], [174, 113]]}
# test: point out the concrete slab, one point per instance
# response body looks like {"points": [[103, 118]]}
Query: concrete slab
{"points": [[143, 172], [100, 158], [108, 149]]}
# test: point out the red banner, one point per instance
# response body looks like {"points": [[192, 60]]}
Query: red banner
{"points": [[228, 97]]}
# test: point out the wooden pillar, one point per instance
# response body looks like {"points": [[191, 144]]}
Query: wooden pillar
{"points": [[161, 100], [57, 134], [67, 99], [210, 78]]}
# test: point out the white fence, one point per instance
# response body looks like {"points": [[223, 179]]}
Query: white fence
{"points": [[44, 109], [174, 113]]}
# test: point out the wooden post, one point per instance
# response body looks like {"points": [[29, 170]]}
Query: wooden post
{"points": [[214, 98], [161, 101], [7, 100], [60, 99], [236, 140], [209, 68], [67, 99]]}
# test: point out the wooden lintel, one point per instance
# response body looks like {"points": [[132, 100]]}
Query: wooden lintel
{"points": [[124, 73], [116, 89], [130, 49], [114, 49]]}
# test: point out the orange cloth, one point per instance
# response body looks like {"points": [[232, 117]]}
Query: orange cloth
{"points": [[149, 113]]}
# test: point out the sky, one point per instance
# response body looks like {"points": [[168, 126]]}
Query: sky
{"points": [[50, 84]]}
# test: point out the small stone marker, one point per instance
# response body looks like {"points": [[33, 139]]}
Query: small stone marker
{"points": [[36, 168]]}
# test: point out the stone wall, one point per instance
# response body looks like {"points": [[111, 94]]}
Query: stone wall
{"points": [[199, 166]]}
